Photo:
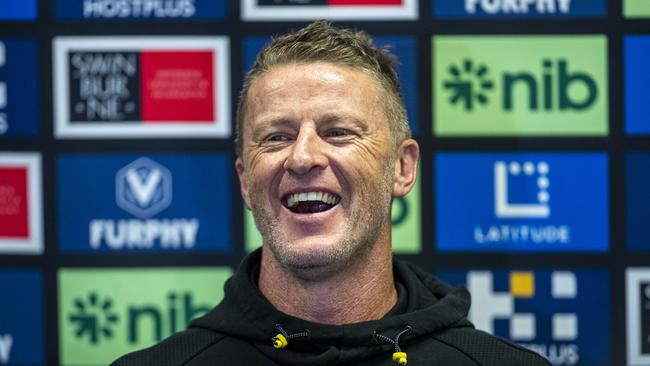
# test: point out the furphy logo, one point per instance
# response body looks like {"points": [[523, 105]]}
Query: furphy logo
{"points": [[524, 202], [104, 313], [406, 225], [21, 337], [18, 10], [638, 316], [547, 85], [404, 47], [637, 79], [20, 203], [281, 10], [519, 8], [637, 181], [145, 207], [141, 87], [636, 8], [18, 87], [140, 9], [543, 310]]}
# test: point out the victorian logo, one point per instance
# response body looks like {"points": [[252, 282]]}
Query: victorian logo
{"points": [[93, 318], [143, 188]]}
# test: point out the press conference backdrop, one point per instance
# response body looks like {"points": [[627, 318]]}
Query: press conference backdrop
{"points": [[120, 215]]}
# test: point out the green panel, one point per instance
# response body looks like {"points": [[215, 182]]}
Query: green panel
{"points": [[406, 230], [407, 222], [636, 8], [105, 313], [520, 85]]}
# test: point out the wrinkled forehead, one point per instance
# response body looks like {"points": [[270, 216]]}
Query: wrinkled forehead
{"points": [[312, 85]]}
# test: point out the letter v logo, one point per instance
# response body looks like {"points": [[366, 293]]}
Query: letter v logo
{"points": [[143, 188]]}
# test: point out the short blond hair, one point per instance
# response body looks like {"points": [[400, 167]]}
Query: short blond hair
{"points": [[320, 41]]}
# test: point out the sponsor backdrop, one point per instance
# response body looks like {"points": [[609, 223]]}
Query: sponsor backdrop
{"points": [[120, 214]]}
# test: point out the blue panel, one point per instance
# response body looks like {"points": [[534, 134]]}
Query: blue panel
{"points": [[131, 9], [405, 48], [116, 203], [18, 10], [19, 102], [637, 84], [637, 178], [521, 202], [519, 8], [568, 311], [21, 318]]}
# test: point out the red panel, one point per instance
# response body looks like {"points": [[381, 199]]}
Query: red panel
{"points": [[14, 203], [177, 86], [365, 2]]}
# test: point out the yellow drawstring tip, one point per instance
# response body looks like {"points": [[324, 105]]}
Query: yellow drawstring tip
{"points": [[400, 358], [279, 341]]}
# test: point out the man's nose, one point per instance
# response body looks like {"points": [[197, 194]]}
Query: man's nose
{"points": [[306, 153]]}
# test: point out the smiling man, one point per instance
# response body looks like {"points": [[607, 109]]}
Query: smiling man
{"points": [[323, 148]]}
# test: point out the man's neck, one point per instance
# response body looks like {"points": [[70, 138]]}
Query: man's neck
{"points": [[360, 293]]}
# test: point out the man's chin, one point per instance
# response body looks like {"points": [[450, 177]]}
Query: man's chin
{"points": [[314, 256]]}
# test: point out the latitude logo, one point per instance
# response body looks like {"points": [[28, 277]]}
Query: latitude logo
{"points": [[470, 83], [143, 188]]}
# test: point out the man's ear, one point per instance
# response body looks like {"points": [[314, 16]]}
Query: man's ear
{"points": [[243, 183], [406, 167]]}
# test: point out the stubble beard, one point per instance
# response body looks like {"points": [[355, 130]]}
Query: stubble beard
{"points": [[361, 232]]}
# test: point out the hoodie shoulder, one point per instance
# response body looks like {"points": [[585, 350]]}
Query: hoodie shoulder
{"points": [[176, 350], [488, 350]]}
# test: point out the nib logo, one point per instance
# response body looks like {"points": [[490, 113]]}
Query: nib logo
{"points": [[553, 87], [93, 318], [468, 84]]}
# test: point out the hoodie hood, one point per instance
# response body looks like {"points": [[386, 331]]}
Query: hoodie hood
{"points": [[427, 306]]}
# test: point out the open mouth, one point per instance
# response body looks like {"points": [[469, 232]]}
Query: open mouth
{"points": [[310, 202]]}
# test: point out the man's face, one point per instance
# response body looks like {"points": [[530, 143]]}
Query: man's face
{"points": [[317, 166]]}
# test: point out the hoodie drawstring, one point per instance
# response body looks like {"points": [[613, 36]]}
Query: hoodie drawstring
{"points": [[398, 356], [281, 339]]}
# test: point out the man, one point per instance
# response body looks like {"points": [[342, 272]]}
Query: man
{"points": [[323, 148]]}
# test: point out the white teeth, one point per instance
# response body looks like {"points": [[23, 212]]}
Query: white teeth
{"points": [[295, 198]]}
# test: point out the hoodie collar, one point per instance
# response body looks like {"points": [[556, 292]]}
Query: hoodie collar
{"points": [[245, 313]]}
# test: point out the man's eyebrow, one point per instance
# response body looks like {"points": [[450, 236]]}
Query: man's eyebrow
{"points": [[333, 118]]}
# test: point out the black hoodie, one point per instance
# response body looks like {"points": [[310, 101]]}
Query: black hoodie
{"points": [[427, 326]]}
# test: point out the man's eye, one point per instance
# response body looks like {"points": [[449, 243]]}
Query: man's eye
{"points": [[336, 133], [277, 138]]}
